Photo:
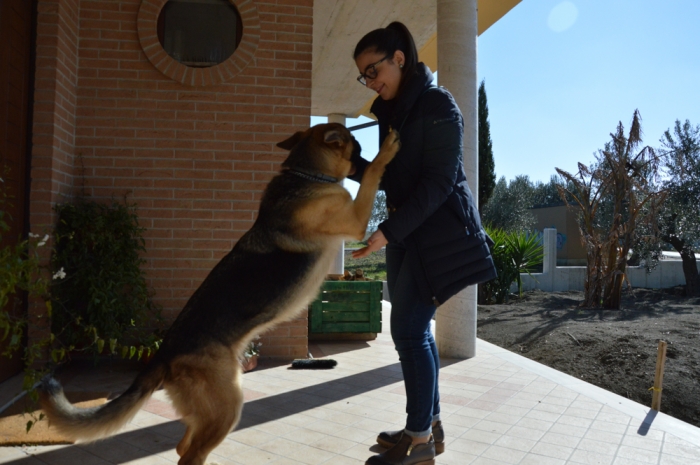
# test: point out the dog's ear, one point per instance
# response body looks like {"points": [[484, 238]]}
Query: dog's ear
{"points": [[288, 144], [333, 136]]}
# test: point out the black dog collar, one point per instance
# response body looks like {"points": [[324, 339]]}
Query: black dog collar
{"points": [[312, 176]]}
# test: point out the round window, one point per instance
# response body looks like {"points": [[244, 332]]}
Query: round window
{"points": [[199, 33]]}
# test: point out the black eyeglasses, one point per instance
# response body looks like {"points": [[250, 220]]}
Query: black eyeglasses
{"points": [[370, 72]]}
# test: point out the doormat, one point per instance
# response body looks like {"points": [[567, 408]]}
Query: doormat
{"points": [[13, 421]]}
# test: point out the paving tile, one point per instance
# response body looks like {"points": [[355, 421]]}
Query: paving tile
{"points": [[574, 421], [624, 461], [611, 416], [643, 443], [453, 457], [512, 442], [11, 453], [525, 433], [560, 401], [534, 423], [552, 450], [533, 459], [303, 453], [460, 420], [27, 460], [597, 446], [503, 454], [484, 405], [608, 427], [549, 413], [341, 460], [675, 460], [476, 435], [333, 444], [492, 426], [511, 386], [583, 413], [487, 461], [554, 409], [114, 450], [285, 461], [361, 452], [603, 436], [153, 460], [633, 430], [680, 448], [304, 436], [559, 439], [473, 413], [513, 411], [568, 430], [642, 456], [466, 446], [504, 418], [590, 458], [354, 434]]}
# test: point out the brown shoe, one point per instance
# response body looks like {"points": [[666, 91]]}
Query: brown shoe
{"points": [[388, 439], [404, 453]]}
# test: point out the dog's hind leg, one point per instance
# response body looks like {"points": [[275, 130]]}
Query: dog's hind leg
{"points": [[184, 443], [214, 410]]}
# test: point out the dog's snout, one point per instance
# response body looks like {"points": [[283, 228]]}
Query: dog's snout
{"points": [[356, 148]]}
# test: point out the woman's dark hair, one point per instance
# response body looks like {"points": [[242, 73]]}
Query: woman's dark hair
{"points": [[388, 40]]}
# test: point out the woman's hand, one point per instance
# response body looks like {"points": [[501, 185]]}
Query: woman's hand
{"points": [[375, 242]]}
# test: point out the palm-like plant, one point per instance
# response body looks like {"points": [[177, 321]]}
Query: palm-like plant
{"points": [[513, 253], [526, 252], [613, 199]]}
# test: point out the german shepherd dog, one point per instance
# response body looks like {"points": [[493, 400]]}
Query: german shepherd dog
{"points": [[272, 273]]}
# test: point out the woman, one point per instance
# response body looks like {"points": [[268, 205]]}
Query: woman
{"points": [[435, 245]]}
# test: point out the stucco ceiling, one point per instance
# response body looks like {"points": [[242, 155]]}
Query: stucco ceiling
{"points": [[340, 24]]}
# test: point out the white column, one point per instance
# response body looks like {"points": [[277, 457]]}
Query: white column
{"points": [[549, 263], [338, 266], [457, 60]]}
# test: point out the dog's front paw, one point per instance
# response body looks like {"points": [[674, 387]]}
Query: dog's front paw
{"points": [[390, 146]]}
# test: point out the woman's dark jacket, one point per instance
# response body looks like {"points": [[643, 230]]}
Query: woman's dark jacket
{"points": [[431, 209]]}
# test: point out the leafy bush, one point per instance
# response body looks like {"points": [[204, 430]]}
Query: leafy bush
{"points": [[19, 272], [104, 296], [513, 253]]}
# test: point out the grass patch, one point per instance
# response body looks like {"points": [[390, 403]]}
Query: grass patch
{"points": [[373, 266]]}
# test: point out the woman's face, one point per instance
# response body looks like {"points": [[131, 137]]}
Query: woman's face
{"points": [[388, 72]]}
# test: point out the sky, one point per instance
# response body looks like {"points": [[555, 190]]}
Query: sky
{"points": [[560, 75]]}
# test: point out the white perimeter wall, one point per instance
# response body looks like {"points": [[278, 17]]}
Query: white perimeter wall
{"points": [[668, 273]]}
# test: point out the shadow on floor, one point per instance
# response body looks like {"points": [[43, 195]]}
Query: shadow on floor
{"points": [[152, 440]]}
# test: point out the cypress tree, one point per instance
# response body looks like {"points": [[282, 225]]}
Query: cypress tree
{"points": [[487, 168]]}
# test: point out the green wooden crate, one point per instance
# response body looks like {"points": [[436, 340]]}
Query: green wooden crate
{"points": [[347, 307]]}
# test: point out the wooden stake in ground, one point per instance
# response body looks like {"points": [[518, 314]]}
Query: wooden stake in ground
{"points": [[659, 378]]}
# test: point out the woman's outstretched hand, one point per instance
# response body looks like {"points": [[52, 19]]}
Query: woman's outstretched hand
{"points": [[375, 242]]}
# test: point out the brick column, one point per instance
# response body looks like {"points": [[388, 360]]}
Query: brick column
{"points": [[53, 139]]}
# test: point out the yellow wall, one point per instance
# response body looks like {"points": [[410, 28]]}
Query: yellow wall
{"points": [[570, 251]]}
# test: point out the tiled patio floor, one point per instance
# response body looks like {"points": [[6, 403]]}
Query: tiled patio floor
{"points": [[498, 408]]}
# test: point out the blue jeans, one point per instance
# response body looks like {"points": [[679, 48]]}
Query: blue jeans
{"points": [[410, 330]]}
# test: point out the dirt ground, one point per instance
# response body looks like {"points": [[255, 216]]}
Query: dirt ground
{"points": [[613, 349]]}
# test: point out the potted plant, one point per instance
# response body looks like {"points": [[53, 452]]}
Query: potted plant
{"points": [[249, 359]]}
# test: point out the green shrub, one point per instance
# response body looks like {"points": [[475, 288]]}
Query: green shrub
{"points": [[513, 253], [19, 272], [103, 296]]}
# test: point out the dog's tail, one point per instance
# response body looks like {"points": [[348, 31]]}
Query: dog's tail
{"points": [[89, 424]]}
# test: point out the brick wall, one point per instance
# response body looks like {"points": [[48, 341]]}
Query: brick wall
{"points": [[194, 155]]}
